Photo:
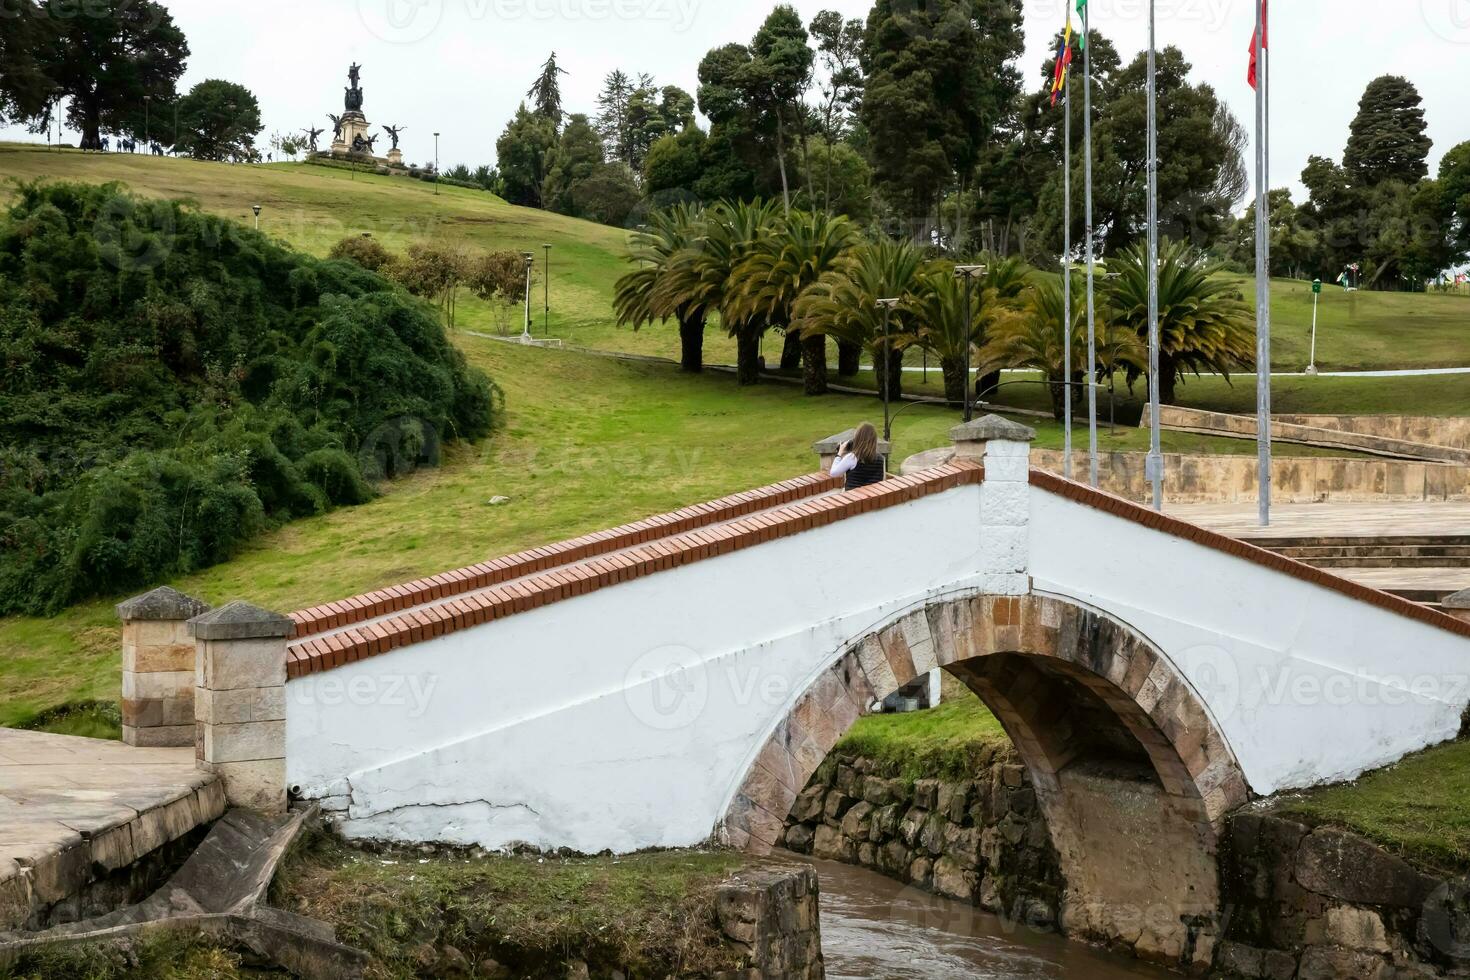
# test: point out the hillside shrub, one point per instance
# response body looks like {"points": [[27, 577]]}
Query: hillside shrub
{"points": [[174, 384]]}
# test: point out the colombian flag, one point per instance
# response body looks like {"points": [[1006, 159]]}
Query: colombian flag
{"points": [[1250, 75], [1064, 62]]}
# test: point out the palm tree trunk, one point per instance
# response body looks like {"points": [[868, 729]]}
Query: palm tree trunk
{"points": [[849, 358], [691, 345], [985, 387], [1058, 391], [954, 378], [1168, 379], [814, 360], [747, 358], [791, 352]]}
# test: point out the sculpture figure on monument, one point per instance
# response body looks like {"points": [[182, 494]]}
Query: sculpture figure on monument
{"points": [[311, 136], [368, 141], [359, 145], [353, 98], [336, 126], [393, 131]]}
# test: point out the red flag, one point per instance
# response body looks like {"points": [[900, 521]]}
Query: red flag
{"points": [[1250, 75]]}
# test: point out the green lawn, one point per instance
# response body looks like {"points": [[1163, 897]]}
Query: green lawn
{"points": [[1419, 808], [951, 741]]}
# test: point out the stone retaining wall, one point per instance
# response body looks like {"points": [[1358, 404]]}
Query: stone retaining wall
{"points": [[1324, 904], [1229, 426], [982, 841], [1436, 431], [770, 914], [1294, 479]]}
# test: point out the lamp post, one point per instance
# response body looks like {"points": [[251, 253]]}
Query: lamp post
{"points": [[436, 164], [887, 306], [1316, 295], [969, 273], [546, 284], [256, 209], [147, 119], [530, 258]]}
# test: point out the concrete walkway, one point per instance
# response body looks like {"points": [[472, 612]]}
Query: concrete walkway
{"points": [[70, 806]]}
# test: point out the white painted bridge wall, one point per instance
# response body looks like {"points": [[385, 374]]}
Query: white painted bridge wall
{"points": [[542, 728]]}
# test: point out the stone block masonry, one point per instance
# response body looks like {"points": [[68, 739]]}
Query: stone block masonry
{"points": [[158, 668], [240, 698], [982, 840], [770, 914]]}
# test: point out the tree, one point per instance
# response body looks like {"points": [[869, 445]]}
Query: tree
{"points": [[109, 58], [840, 47], [1454, 186], [637, 298], [675, 162], [1294, 246], [741, 140], [843, 304], [523, 150], [436, 272], [608, 195], [25, 91], [366, 251], [778, 75], [792, 256], [705, 274], [846, 183], [941, 79], [612, 115], [219, 120], [1204, 325], [577, 155], [938, 316], [545, 92], [1389, 135]]}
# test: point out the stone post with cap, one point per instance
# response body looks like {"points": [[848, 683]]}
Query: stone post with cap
{"points": [[1003, 447], [240, 702], [158, 668], [1458, 605]]}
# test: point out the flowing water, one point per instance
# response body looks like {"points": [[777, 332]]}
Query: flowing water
{"points": [[875, 928]]}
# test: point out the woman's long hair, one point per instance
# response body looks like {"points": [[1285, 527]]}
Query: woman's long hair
{"points": [[865, 443]]}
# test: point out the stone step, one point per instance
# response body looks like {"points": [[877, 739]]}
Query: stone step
{"points": [[1387, 561], [1362, 541], [1309, 553]]}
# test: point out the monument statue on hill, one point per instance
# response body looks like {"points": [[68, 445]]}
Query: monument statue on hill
{"points": [[393, 132], [311, 136], [353, 99]]}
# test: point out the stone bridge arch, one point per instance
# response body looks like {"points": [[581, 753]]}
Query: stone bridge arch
{"points": [[1131, 772]]}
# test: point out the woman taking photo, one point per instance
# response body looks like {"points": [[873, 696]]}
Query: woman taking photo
{"points": [[858, 460]]}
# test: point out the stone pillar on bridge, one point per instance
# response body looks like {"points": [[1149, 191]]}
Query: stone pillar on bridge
{"points": [[1458, 605], [240, 703], [826, 450], [1004, 448], [158, 668]]}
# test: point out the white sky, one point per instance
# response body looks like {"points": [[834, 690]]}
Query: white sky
{"points": [[461, 66]]}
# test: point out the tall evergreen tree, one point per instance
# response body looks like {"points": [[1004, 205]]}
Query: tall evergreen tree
{"points": [[25, 91], [108, 58], [612, 114], [522, 151], [219, 120], [840, 47], [779, 75], [940, 81], [1388, 138], [545, 92]]}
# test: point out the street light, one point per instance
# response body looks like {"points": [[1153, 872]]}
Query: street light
{"points": [[969, 273], [546, 282], [887, 305], [256, 209], [147, 119], [436, 164], [530, 258]]}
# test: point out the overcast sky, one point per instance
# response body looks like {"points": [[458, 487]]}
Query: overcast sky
{"points": [[462, 66]]}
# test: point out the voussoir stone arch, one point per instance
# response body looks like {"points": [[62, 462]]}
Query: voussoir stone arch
{"points": [[1115, 663]]}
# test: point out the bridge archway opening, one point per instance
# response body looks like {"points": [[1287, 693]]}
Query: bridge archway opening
{"points": [[1131, 774]]}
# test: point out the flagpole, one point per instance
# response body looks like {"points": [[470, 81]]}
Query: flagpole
{"points": [[1155, 465], [1263, 284], [1092, 461], [1067, 273]]}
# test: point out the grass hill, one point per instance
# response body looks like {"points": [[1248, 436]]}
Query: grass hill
{"points": [[587, 442], [312, 207]]}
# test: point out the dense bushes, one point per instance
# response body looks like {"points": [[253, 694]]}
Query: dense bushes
{"points": [[174, 384]]}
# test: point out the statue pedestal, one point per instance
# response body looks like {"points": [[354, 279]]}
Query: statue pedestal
{"points": [[395, 157], [354, 124]]}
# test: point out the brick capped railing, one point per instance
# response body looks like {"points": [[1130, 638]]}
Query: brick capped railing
{"points": [[373, 605]]}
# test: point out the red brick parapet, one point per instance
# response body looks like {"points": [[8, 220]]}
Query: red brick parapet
{"points": [[360, 609], [470, 597]]}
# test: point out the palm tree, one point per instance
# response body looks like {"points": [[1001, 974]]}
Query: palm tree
{"points": [[801, 248], [843, 304], [653, 248], [938, 313], [1007, 277], [703, 274], [1204, 325]]}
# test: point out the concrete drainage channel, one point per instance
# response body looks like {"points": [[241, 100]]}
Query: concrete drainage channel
{"points": [[218, 893]]}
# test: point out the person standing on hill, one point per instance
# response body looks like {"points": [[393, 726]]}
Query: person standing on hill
{"points": [[859, 460]]}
